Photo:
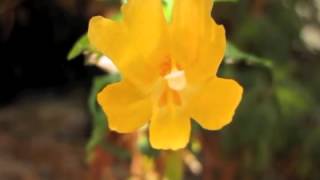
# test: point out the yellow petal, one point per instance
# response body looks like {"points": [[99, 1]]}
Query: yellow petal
{"points": [[169, 128], [189, 22], [137, 44], [198, 43], [147, 26], [126, 107], [214, 105], [148, 37], [210, 56], [108, 37]]}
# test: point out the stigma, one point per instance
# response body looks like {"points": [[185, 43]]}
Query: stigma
{"points": [[176, 80]]}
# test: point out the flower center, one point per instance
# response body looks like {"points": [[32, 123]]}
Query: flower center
{"points": [[176, 80]]}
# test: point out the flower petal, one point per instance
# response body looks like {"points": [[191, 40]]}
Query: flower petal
{"points": [[147, 26], [198, 43], [169, 128], [215, 104], [136, 44], [210, 56], [109, 37], [126, 107]]}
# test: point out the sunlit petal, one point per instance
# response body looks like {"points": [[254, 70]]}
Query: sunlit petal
{"points": [[169, 128], [108, 37], [126, 107], [214, 105], [136, 44], [197, 42]]}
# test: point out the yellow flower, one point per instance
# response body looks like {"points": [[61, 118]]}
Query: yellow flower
{"points": [[168, 71]]}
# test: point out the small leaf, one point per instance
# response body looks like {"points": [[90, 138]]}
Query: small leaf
{"points": [[117, 16], [234, 55], [225, 0], [81, 45], [167, 8]]}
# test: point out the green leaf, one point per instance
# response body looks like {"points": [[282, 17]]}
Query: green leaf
{"points": [[167, 8], [294, 99], [81, 45], [117, 16], [225, 0], [145, 147], [235, 55], [99, 118]]}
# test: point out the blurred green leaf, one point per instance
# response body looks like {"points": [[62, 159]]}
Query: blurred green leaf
{"points": [[79, 47], [226, 0], [118, 151], [235, 55], [117, 16], [99, 118], [167, 7], [145, 147], [293, 99]]}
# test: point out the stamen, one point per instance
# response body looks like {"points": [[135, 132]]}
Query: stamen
{"points": [[176, 80]]}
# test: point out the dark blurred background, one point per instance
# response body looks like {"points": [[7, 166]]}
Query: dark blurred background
{"points": [[44, 122], [36, 35]]}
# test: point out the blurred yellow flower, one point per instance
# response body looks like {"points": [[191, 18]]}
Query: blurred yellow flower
{"points": [[168, 71]]}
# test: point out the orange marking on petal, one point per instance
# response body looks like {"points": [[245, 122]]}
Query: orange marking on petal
{"points": [[165, 67], [163, 98], [176, 98]]}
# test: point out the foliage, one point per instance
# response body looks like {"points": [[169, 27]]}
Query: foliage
{"points": [[99, 119]]}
